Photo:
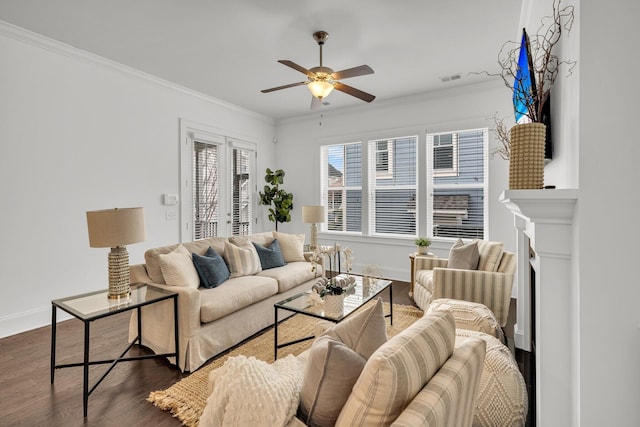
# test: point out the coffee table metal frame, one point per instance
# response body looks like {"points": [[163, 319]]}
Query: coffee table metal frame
{"points": [[299, 304], [95, 305]]}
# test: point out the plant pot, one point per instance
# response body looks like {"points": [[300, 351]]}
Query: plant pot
{"points": [[334, 305], [526, 158], [423, 250]]}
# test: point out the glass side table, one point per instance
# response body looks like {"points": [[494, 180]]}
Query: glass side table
{"points": [[95, 305]]}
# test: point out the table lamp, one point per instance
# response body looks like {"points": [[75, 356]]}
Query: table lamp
{"points": [[115, 228], [313, 215]]}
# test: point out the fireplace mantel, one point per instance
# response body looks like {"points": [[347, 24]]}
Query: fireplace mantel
{"points": [[544, 223]]}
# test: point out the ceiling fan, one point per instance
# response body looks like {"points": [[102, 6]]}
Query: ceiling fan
{"points": [[322, 80]]}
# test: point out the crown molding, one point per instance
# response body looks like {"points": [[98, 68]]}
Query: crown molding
{"points": [[38, 40]]}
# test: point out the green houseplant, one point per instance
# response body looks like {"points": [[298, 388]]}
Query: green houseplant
{"points": [[280, 200], [422, 243]]}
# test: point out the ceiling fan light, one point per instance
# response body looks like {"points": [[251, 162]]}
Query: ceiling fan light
{"points": [[320, 88]]}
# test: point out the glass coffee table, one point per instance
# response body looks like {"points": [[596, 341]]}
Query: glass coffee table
{"points": [[302, 304]]}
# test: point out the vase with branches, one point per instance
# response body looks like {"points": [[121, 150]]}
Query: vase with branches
{"points": [[281, 202], [544, 68]]}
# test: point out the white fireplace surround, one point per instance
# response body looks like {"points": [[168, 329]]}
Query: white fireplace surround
{"points": [[544, 223]]}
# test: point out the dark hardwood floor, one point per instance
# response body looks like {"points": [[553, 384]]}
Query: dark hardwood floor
{"points": [[28, 399]]}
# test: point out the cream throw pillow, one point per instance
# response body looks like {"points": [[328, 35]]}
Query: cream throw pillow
{"points": [[177, 268], [463, 256], [242, 257], [335, 361], [490, 255], [292, 246], [398, 370]]}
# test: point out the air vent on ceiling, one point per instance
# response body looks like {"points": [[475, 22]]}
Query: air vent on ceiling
{"points": [[450, 78]]}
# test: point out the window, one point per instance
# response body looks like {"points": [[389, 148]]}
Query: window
{"points": [[448, 201], [241, 187], [457, 205], [384, 159], [445, 154], [205, 190], [341, 187], [392, 195], [218, 184]]}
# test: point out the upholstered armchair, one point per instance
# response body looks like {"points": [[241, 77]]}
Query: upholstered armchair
{"points": [[490, 284]]}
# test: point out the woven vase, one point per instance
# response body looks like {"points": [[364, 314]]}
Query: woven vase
{"points": [[334, 305], [526, 157]]}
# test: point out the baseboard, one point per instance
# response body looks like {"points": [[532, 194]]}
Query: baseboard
{"points": [[518, 338], [28, 320]]}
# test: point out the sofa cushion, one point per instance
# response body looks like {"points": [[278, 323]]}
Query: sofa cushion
{"points": [[270, 255], [177, 268], [335, 361], [234, 294], [289, 275], [490, 254], [398, 370], [211, 268], [292, 246], [241, 257], [464, 257], [263, 239], [152, 260]]}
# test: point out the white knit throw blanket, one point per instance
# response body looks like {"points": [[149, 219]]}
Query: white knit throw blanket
{"points": [[248, 391]]}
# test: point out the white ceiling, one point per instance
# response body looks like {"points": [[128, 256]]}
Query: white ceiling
{"points": [[229, 49]]}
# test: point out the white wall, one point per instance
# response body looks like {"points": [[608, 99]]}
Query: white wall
{"points": [[609, 291], [460, 108], [80, 133]]}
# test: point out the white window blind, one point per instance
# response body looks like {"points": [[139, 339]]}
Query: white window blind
{"points": [[341, 186], [242, 181], [456, 186], [392, 195], [206, 189]]}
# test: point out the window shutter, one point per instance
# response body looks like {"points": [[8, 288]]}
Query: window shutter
{"points": [[392, 191]]}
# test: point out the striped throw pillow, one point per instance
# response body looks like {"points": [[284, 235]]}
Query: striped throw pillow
{"points": [[241, 257]]}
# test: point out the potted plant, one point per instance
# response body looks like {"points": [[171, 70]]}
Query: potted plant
{"points": [[273, 195], [422, 243], [529, 69]]}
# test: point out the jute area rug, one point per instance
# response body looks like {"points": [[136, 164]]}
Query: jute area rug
{"points": [[187, 398]]}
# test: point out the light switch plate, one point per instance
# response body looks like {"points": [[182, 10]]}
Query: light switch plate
{"points": [[170, 199]]}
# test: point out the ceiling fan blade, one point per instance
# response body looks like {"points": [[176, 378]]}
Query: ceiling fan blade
{"points": [[354, 92], [296, 67], [284, 87], [362, 70]]}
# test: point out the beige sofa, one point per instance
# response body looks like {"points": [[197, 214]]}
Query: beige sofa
{"points": [[213, 320]]}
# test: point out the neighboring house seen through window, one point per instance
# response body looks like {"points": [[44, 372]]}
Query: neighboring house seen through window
{"points": [[455, 186]]}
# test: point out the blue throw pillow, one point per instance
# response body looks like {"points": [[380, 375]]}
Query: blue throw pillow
{"points": [[211, 268], [270, 256]]}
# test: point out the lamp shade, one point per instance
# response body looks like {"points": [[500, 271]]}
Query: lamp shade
{"points": [[111, 228], [313, 214], [320, 88]]}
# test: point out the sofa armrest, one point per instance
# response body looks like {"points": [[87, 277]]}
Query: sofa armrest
{"points": [[492, 289], [428, 263], [138, 273]]}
